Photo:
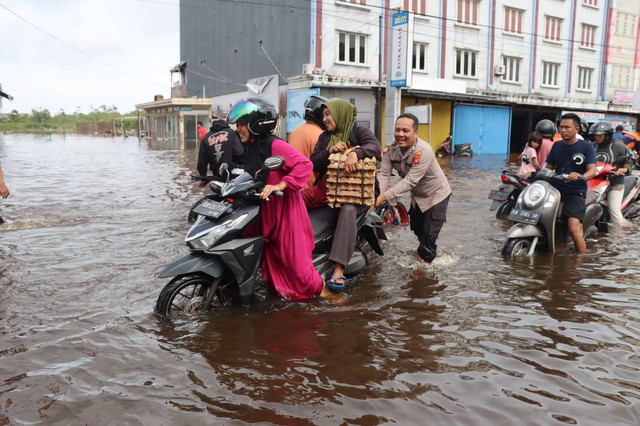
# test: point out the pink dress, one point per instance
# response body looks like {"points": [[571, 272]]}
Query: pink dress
{"points": [[528, 168], [287, 264]]}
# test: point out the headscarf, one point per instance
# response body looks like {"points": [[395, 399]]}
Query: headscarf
{"points": [[344, 115]]}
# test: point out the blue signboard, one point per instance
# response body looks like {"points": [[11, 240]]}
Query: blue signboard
{"points": [[399, 40], [295, 106]]}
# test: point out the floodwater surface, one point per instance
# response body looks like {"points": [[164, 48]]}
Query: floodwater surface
{"points": [[471, 339]]}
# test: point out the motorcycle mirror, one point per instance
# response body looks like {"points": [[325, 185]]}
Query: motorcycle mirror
{"points": [[274, 163], [525, 159]]}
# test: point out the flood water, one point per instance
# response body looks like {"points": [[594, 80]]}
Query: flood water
{"points": [[472, 339]]}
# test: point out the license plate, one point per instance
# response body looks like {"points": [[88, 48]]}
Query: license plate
{"points": [[211, 208], [524, 216], [498, 195]]}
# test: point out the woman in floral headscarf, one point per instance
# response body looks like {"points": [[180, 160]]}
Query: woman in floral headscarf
{"points": [[343, 134]]}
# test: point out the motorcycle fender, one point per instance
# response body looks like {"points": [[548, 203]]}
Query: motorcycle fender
{"points": [[370, 236], [194, 263], [242, 256], [524, 230]]}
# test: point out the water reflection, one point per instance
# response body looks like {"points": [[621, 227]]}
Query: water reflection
{"points": [[472, 339]]}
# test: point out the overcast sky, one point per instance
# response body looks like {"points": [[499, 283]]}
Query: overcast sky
{"points": [[70, 54]]}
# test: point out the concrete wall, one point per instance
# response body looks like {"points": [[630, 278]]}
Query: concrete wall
{"points": [[227, 34]]}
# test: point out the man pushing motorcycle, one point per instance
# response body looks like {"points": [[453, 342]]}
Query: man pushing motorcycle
{"points": [[577, 158]]}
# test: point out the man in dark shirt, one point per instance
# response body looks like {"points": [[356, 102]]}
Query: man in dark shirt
{"points": [[220, 145], [577, 158]]}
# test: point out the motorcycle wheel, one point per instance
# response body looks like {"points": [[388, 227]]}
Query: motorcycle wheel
{"points": [[504, 209], [516, 247], [186, 294], [393, 214]]}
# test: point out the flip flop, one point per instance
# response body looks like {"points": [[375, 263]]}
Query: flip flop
{"points": [[335, 286]]}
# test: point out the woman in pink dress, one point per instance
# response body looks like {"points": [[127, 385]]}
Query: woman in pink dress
{"points": [[287, 263]]}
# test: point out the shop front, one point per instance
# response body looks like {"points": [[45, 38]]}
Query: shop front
{"points": [[173, 122]]}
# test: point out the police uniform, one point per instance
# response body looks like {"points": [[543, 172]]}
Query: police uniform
{"points": [[423, 178]]}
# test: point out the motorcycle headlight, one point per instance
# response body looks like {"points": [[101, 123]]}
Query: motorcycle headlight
{"points": [[207, 240], [533, 195]]}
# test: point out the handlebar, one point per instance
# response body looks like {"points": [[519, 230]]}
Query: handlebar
{"points": [[207, 178]]}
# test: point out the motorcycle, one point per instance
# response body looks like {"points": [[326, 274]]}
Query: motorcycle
{"points": [[445, 148], [395, 215], [630, 207], [539, 225], [462, 150], [505, 197], [223, 266]]}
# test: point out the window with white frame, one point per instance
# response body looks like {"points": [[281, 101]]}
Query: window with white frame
{"points": [[584, 78], [513, 20], [352, 48], [419, 7], [512, 66], [420, 56], [550, 73], [467, 12], [466, 63], [590, 2], [362, 2], [553, 28], [588, 36]]}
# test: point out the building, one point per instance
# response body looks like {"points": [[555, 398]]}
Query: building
{"points": [[622, 56], [488, 69]]}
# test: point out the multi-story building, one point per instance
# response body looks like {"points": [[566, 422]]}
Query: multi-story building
{"points": [[489, 69], [622, 58]]}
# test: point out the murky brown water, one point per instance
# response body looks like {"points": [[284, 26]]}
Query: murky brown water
{"points": [[471, 340]]}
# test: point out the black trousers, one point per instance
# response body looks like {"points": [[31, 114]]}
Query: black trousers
{"points": [[427, 226]]}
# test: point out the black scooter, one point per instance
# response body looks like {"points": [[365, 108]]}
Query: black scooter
{"points": [[224, 267]]}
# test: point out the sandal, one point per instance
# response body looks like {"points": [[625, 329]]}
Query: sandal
{"points": [[334, 285]]}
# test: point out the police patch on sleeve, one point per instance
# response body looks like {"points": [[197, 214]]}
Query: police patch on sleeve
{"points": [[416, 158]]}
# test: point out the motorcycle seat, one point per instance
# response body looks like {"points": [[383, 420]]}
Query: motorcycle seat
{"points": [[323, 219]]}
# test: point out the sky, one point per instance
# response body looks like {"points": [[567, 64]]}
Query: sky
{"points": [[76, 55]]}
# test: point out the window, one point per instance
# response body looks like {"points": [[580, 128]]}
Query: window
{"points": [[588, 36], [552, 28], [625, 25], [466, 65], [621, 76], [513, 20], [590, 2], [467, 12], [584, 78], [511, 69], [352, 48], [420, 56], [550, 74], [362, 2], [419, 7]]}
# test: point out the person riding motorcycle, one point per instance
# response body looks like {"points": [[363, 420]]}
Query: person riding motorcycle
{"points": [[287, 262], [547, 129], [612, 151], [305, 136]]}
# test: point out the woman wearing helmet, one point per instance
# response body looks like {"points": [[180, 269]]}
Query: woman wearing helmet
{"points": [[342, 134], [612, 151], [305, 136], [547, 129], [287, 264]]}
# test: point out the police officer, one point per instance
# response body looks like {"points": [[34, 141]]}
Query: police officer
{"points": [[416, 163]]}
